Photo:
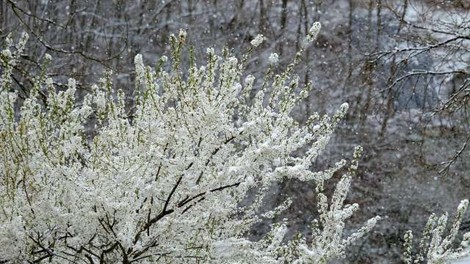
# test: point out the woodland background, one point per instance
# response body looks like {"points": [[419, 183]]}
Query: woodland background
{"points": [[402, 65]]}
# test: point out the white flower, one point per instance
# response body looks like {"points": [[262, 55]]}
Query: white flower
{"points": [[232, 61], [313, 31], [22, 43], [7, 53], [139, 67], [257, 40], [249, 80], [49, 82], [210, 51], [139, 63], [182, 35], [72, 83], [273, 58]]}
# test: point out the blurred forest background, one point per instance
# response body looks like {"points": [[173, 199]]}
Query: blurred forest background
{"points": [[402, 65]]}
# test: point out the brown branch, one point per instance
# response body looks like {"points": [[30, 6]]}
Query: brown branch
{"points": [[164, 210], [213, 153], [455, 157], [102, 61], [402, 20], [420, 73]]}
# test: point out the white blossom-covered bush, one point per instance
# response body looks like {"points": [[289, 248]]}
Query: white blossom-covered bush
{"points": [[163, 181], [434, 247]]}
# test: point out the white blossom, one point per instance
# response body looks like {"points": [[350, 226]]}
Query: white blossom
{"points": [[439, 249], [273, 58], [139, 65], [7, 53], [249, 80], [257, 40], [313, 31], [210, 51], [182, 35]]}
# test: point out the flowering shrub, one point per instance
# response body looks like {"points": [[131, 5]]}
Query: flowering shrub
{"points": [[434, 248], [164, 180]]}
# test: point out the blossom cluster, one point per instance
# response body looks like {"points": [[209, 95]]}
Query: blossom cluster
{"points": [[163, 180]]}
